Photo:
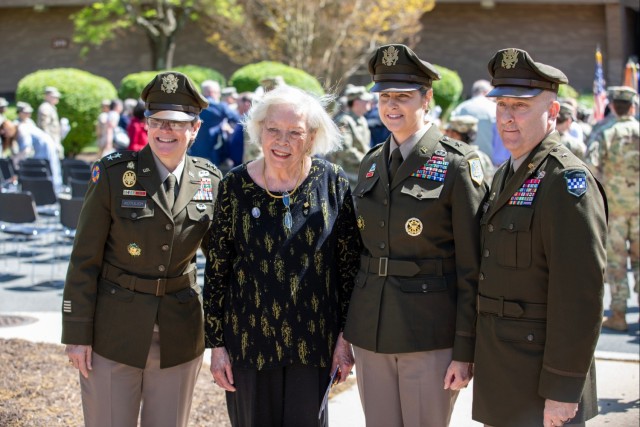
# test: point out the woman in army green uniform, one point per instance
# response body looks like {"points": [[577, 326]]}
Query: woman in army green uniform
{"points": [[412, 313], [132, 313]]}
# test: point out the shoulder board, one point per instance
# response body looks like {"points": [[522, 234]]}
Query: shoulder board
{"points": [[374, 149], [119, 157], [205, 164], [455, 145], [565, 157]]}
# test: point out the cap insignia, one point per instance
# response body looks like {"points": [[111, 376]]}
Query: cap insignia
{"points": [[390, 56], [509, 58], [169, 83]]}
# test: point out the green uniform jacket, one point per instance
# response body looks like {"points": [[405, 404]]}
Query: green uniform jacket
{"points": [[125, 241], [540, 290], [417, 283]]}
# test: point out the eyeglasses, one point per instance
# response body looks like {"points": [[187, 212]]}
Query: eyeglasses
{"points": [[174, 125], [290, 135], [288, 220]]}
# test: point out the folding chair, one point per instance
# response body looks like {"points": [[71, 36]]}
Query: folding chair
{"points": [[76, 164], [78, 187], [18, 218], [44, 194], [69, 215]]}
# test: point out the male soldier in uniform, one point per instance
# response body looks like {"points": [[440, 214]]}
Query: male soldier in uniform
{"points": [[132, 313], [412, 311], [465, 128], [48, 120], [563, 125], [356, 137], [614, 157], [543, 260]]}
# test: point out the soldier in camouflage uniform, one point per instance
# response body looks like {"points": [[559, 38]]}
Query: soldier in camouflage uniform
{"points": [[563, 123], [356, 137], [465, 128], [614, 157]]}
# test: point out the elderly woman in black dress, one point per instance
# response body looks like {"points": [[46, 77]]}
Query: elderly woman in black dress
{"points": [[280, 269]]}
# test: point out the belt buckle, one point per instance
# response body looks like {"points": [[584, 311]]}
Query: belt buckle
{"points": [[383, 263], [161, 286]]}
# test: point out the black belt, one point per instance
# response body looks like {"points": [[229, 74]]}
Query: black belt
{"points": [[399, 267], [157, 287], [513, 309]]}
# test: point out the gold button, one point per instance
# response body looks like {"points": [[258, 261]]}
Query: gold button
{"points": [[385, 202], [486, 253], [481, 276], [490, 228], [382, 245], [530, 337], [168, 227], [510, 226], [165, 247], [381, 223], [161, 268], [134, 215]]}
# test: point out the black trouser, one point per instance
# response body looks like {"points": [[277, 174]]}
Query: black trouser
{"points": [[282, 397]]}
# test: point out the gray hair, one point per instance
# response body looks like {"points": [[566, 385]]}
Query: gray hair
{"points": [[327, 134], [480, 87]]}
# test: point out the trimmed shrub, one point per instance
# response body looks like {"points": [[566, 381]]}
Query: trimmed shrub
{"points": [[447, 90], [81, 93], [131, 85], [248, 78]]}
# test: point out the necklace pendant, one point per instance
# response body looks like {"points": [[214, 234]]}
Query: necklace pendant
{"points": [[288, 221], [286, 199]]}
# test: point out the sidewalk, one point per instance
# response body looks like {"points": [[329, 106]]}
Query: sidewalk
{"points": [[618, 380]]}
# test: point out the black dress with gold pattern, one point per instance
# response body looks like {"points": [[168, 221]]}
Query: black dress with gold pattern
{"points": [[273, 296]]}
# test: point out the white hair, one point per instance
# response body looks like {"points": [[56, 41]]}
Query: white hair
{"points": [[327, 134]]}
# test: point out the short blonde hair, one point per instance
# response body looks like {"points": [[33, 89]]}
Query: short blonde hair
{"points": [[327, 134]]}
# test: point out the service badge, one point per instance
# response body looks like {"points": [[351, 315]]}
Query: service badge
{"points": [[390, 56], [134, 249], [413, 227], [129, 178]]}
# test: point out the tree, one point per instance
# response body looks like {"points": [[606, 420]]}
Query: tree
{"points": [[329, 39], [160, 20]]}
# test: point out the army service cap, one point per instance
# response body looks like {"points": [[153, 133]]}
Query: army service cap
{"points": [[396, 68], [621, 93], [515, 74], [357, 92], [463, 124], [172, 96]]}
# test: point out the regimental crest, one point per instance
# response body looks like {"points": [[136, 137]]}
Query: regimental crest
{"points": [[169, 83], [509, 58], [390, 56]]}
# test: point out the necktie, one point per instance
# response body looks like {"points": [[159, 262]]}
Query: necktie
{"points": [[394, 164], [171, 190]]}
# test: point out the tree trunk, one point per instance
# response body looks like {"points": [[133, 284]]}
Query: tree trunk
{"points": [[162, 51]]}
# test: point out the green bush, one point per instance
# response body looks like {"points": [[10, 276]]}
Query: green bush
{"points": [[447, 90], [248, 78], [131, 85], [81, 93]]}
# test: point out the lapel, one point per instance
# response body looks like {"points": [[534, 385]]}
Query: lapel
{"points": [[150, 179], [189, 184], [524, 172], [422, 152], [381, 159]]}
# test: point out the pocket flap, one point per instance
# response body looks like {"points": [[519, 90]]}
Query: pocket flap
{"points": [[519, 220], [423, 285], [525, 331], [427, 189], [365, 185]]}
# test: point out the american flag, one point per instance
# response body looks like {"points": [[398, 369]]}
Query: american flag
{"points": [[599, 89]]}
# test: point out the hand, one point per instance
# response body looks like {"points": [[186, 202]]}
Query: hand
{"points": [[80, 358], [342, 358], [221, 368], [558, 413], [458, 375]]}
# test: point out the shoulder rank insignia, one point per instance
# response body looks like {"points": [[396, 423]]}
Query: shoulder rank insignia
{"points": [[576, 182], [477, 175], [114, 156], [372, 170], [526, 193]]}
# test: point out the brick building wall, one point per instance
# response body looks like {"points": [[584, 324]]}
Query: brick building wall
{"points": [[458, 35]]}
